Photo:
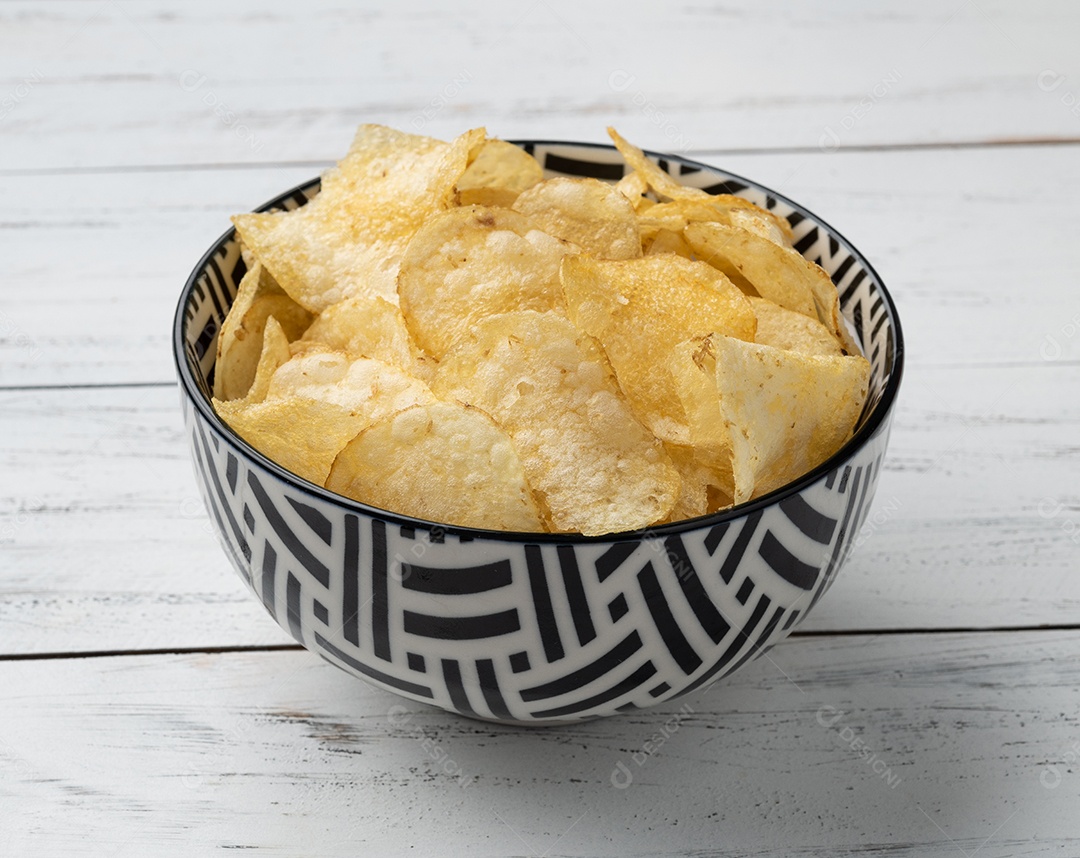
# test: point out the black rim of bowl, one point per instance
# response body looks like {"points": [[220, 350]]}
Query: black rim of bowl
{"points": [[860, 438]]}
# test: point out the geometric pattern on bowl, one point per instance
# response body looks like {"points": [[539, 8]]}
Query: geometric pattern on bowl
{"points": [[539, 628]]}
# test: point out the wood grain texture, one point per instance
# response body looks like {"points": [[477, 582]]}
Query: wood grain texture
{"points": [[942, 139], [933, 745], [975, 245], [107, 546], [175, 82]]}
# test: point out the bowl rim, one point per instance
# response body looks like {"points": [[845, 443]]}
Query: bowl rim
{"points": [[865, 433]]}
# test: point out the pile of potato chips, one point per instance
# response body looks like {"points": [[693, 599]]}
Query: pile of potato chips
{"points": [[443, 333]]}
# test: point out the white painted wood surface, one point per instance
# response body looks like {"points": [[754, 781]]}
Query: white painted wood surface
{"points": [[952, 165], [920, 745]]}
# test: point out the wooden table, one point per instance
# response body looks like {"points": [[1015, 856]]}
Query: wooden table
{"points": [[930, 705]]}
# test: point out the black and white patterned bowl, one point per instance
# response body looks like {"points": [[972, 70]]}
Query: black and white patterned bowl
{"points": [[528, 628]]}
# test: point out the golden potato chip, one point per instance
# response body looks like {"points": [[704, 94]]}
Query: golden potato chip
{"points": [[443, 462], [240, 340], [316, 403], [827, 305], [706, 483], [786, 329], [657, 179], [693, 370], [666, 241], [634, 187], [587, 212], [363, 326], [473, 262], [499, 173], [639, 310], [762, 223], [593, 467], [776, 272], [786, 412], [349, 240], [275, 354], [301, 435]]}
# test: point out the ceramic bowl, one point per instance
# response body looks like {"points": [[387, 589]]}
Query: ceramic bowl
{"points": [[534, 628]]}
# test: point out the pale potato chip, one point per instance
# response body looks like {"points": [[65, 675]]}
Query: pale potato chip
{"points": [[775, 272], [593, 467], [363, 326], [693, 370], [360, 385], [443, 462], [499, 173], [586, 212], [316, 403], [785, 412], [473, 262], [240, 340], [349, 240], [786, 329], [639, 310]]}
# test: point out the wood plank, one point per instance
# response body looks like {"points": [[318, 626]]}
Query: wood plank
{"points": [[106, 546], [99, 260], [941, 745], [192, 82]]}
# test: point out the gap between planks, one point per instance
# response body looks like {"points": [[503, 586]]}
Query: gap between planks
{"points": [[321, 163], [843, 633]]}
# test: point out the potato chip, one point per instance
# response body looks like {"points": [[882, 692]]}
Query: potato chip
{"points": [[666, 241], [775, 272], [761, 223], [593, 467], [640, 310], [360, 385], [443, 462], [827, 305], [363, 326], [657, 179], [706, 484], [240, 340], [301, 435], [786, 329], [316, 403], [349, 240], [473, 262], [786, 412], [586, 212], [275, 354], [634, 187], [499, 173]]}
